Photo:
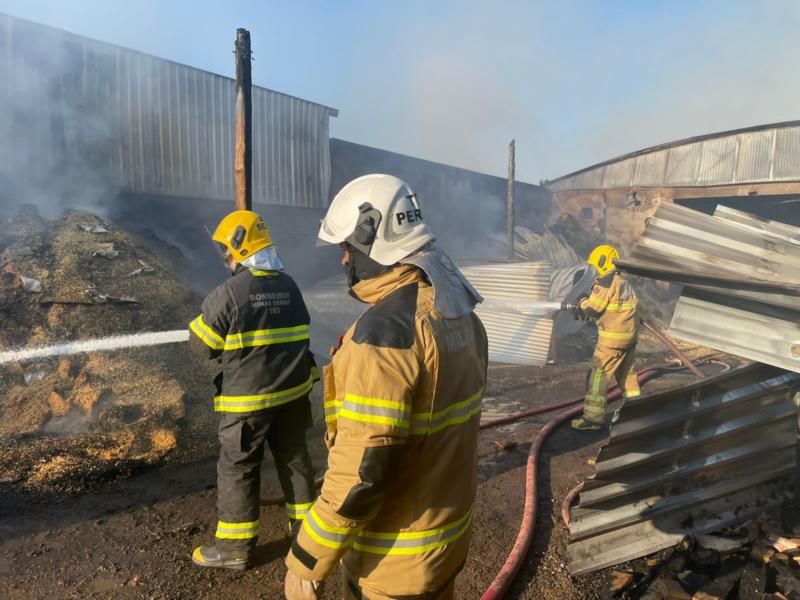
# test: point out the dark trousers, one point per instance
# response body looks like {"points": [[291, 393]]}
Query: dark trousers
{"points": [[242, 439]]}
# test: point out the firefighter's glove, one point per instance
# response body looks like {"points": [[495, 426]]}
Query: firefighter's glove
{"points": [[578, 311], [296, 588]]}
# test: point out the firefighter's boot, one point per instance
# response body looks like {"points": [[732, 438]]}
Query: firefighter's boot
{"points": [[212, 556], [583, 424]]}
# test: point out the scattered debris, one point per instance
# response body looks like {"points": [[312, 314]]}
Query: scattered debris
{"points": [[144, 268], [737, 568], [550, 247], [99, 298], [31, 285], [720, 543], [34, 376], [96, 229], [106, 251], [782, 544]]}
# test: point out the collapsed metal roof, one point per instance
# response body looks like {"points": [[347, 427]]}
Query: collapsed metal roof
{"points": [[686, 461], [741, 278]]}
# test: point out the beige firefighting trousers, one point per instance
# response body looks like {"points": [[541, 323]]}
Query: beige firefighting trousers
{"points": [[351, 591], [608, 363]]}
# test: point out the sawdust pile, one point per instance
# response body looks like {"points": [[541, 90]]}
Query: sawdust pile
{"points": [[68, 422]]}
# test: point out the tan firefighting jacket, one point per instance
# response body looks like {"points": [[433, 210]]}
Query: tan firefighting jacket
{"points": [[612, 304], [402, 401]]}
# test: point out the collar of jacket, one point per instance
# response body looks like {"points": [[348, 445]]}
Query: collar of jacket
{"points": [[376, 288]]}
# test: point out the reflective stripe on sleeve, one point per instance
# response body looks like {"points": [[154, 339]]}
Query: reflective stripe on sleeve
{"points": [[372, 410], [237, 531], [266, 337], [622, 306], [455, 414], [328, 535], [412, 542], [315, 373], [332, 410], [598, 302], [262, 401], [209, 337], [298, 511], [615, 335]]}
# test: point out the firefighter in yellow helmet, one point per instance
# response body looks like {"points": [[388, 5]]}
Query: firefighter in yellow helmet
{"points": [[612, 304], [256, 326], [402, 402]]}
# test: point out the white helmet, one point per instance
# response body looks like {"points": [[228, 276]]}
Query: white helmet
{"points": [[378, 215]]}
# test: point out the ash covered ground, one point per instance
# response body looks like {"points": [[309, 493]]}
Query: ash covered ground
{"points": [[68, 423]]}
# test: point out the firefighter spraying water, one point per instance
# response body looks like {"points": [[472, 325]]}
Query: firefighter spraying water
{"points": [[256, 326]]}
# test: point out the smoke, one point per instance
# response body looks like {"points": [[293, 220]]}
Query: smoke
{"points": [[55, 140], [464, 113]]}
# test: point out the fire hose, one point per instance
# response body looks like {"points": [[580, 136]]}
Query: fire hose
{"points": [[508, 572], [505, 577]]}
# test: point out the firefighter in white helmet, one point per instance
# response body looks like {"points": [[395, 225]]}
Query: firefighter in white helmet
{"points": [[402, 402], [613, 305]]}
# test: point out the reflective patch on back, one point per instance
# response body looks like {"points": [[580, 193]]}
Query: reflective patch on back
{"points": [[390, 323]]}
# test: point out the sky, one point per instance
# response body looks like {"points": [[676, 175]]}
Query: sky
{"points": [[574, 82]]}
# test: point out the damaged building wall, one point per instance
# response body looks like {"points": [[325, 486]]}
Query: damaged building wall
{"points": [[79, 116], [457, 200], [755, 169]]}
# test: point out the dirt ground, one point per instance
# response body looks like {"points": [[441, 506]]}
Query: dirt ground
{"points": [[131, 537]]}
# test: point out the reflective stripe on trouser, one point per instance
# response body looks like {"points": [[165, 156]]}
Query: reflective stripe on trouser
{"points": [[352, 591], [242, 440], [297, 512], [608, 363], [412, 542]]}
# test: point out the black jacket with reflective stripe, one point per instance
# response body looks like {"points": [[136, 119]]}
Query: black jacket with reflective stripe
{"points": [[257, 325]]}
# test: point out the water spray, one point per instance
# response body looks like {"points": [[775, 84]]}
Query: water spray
{"points": [[114, 342], [533, 309]]}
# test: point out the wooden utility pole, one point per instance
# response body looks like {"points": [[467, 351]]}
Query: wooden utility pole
{"points": [[243, 161], [510, 201]]}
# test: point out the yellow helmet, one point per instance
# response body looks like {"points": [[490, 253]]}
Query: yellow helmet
{"points": [[243, 233], [602, 258]]}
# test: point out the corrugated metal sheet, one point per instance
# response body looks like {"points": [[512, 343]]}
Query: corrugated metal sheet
{"points": [[548, 247], [706, 252], [143, 124], [650, 168], [687, 461], [741, 278], [509, 290], [764, 154], [755, 156], [738, 331]]}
